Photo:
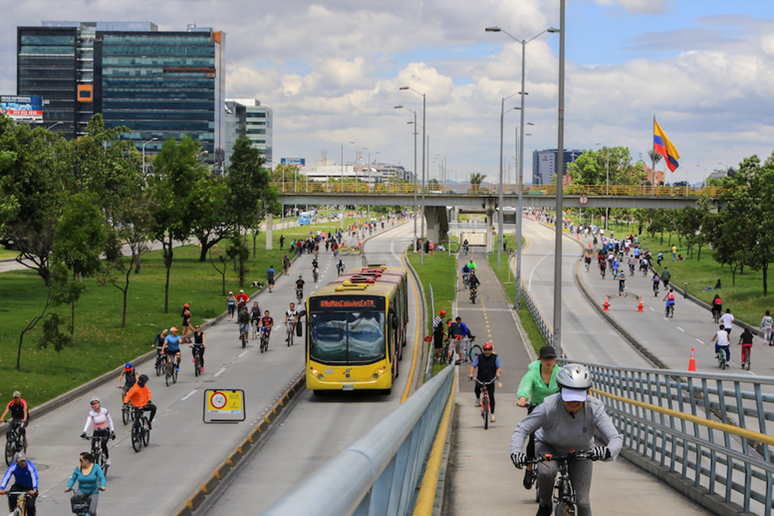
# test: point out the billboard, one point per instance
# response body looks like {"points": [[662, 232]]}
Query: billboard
{"points": [[22, 108], [297, 162]]}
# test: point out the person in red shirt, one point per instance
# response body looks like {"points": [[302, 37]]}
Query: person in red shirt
{"points": [[19, 416], [242, 299]]}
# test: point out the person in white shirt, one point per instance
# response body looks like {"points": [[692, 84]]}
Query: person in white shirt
{"points": [[721, 342], [767, 323], [728, 321], [103, 425]]}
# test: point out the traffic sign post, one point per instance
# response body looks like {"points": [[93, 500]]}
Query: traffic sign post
{"points": [[224, 406]]}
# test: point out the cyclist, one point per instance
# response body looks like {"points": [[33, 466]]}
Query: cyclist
{"points": [[438, 334], [567, 421], [466, 246], [670, 300], [315, 268], [587, 259], [244, 323], [199, 345], [255, 315], [291, 316], [535, 386], [728, 321], [472, 265], [766, 325], [746, 341], [140, 398], [622, 281], [91, 480], [602, 265], [656, 281], [25, 479], [489, 367], [721, 339], [270, 273], [103, 425], [465, 273], [458, 330], [130, 376], [19, 416], [717, 306], [158, 341], [665, 277], [340, 267], [632, 264], [172, 346], [659, 257], [300, 286], [267, 323], [473, 281]]}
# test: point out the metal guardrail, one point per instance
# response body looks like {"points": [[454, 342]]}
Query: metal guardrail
{"points": [[380, 473], [710, 430], [317, 187], [537, 316]]}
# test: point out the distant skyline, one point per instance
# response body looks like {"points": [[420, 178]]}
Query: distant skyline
{"points": [[331, 71]]}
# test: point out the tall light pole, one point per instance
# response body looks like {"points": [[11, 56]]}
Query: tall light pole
{"points": [[424, 130], [519, 208], [607, 181], [144, 172], [414, 242], [500, 203], [559, 192]]}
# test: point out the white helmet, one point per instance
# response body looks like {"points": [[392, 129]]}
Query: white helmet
{"points": [[93, 399], [574, 376]]}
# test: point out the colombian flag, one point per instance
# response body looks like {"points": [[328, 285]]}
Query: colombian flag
{"points": [[663, 146]]}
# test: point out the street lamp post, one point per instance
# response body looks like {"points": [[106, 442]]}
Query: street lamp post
{"points": [[424, 129], [519, 207], [414, 242], [607, 182], [144, 171], [559, 192], [500, 206]]}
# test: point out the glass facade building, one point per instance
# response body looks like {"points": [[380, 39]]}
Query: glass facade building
{"points": [[257, 125], [163, 85]]}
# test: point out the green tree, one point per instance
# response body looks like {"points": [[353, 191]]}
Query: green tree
{"points": [[476, 178], [178, 180], [283, 172]]}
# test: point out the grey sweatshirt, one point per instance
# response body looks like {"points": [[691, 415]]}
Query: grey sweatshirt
{"points": [[554, 426]]}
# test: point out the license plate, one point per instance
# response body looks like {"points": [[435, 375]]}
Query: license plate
{"points": [[348, 387]]}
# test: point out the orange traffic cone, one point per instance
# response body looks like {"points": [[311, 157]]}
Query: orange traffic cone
{"points": [[692, 362], [606, 306], [577, 236], [639, 308]]}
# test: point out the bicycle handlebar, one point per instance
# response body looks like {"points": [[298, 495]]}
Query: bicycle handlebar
{"points": [[483, 384], [569, 456]]}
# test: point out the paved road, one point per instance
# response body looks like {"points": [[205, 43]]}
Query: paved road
{"points": [[183, 451], [318, 427]]}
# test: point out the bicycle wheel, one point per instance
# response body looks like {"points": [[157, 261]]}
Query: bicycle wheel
{"points": [[174, 374], [485, 411], [168, 374], [145, 432], [125, 414], [10, 449], [197, 367], [242, 338], [159, 366], [474, 351], [136, 437]]}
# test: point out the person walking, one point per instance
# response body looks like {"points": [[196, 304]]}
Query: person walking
{"points": [[285, 264], [282, 241]]}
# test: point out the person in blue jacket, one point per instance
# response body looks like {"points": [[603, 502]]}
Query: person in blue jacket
{"points": [[25, 479]]}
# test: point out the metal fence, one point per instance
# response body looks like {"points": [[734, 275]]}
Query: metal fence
{"points": [[707, 430], [380, 473], [537, 316]]}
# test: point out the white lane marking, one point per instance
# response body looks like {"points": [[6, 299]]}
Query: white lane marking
{"points": [[529, 283], [220, 372], [699, 341], [665, 318], [682, 330], [243, 353], [651, 309], [189, 395]]}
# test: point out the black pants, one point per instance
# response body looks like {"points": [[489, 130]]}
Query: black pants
{"points": [[106, 435], [12, 424], [150, 407], [30, 499], [490, 389]]}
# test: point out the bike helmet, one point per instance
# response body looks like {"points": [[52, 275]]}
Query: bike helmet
{"points": [[143, 379], [93, 399], [186, 306], [128, 366], [488, 345], [575, 377], [442, 313]]}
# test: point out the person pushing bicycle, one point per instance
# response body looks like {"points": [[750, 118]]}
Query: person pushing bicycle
{"points": [[489, 367], [567, 421]]}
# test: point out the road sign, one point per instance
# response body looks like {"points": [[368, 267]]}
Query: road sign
{"points": [[583, 200], [224, 405]]}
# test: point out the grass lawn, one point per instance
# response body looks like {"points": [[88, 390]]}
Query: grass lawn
{"points": [[745, 298], [535, 338], [5, 254], [440, 271]]}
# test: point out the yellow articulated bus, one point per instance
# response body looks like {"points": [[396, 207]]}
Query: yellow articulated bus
{"points": [[356, 329]]}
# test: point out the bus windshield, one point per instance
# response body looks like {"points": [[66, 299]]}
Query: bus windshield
{"points": [[347, 337]]}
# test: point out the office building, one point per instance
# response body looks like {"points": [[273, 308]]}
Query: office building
{"points": [[544, 164], [258, 128], [235, 126]]}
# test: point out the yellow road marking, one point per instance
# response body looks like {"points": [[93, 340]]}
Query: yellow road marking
{"points": [[417, 339]]}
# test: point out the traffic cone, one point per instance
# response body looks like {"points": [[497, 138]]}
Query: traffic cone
{"points": [[606, 306], [577, 236], [692, 362], [639, 308]]}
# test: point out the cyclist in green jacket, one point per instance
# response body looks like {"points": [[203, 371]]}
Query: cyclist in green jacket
{"points": [[537, 384]]}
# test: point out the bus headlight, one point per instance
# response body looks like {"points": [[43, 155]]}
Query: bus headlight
{"points": [[315, 372], [379, 372]]}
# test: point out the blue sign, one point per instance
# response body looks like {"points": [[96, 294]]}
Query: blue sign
{"points": [[21, 107], [297, 162]]}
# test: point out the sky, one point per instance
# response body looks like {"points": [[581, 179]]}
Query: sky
{"points": [[331, 71]]}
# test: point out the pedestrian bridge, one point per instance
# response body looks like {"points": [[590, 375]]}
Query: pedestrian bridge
{"points": [[472, 196]]}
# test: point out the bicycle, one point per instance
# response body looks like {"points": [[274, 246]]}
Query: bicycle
{"points": [[564, 494], [21, 502], [588, 265], [81, 506], [291, 327], [96, 450], [655, 289], [339, 269], [299, 295], [465, 281], [256, 323], [171, 371], [721, 356], [140, 429], [126, 411], [159, 366], [473, 349], [670, 311], [315, 275], [264, 340], [746, 351], [197, 359], [473, 293], [602, 270], [14, 444], [533, 472], [485, 410], [243, 336], [716, 316]]}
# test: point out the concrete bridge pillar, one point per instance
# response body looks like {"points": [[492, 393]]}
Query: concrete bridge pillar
{"points": [[489, 208], [269, 228], [437, 223]]}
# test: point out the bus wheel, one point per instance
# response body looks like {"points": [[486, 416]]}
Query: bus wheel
{"points": [[387, 392], [318, 392]]}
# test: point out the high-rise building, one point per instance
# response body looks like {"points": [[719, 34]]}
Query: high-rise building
{"points": [[235, 126], [159, 84], [544, 164], [258, 127]]}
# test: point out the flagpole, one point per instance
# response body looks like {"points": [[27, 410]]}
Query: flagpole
{"points": [[654, 149]]}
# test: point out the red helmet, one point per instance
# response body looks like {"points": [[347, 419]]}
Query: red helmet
{"points": [[186, 305], [442, 313], [488, 345]]}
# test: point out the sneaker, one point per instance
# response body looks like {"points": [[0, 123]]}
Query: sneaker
{"points": [[492, 418], [527, 479], [150, 426], [478, 402], [107, 461], [177, 369], [202, 369], [545, 510]]}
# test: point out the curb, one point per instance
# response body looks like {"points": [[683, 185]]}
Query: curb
{"points": [[210, 484]]}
